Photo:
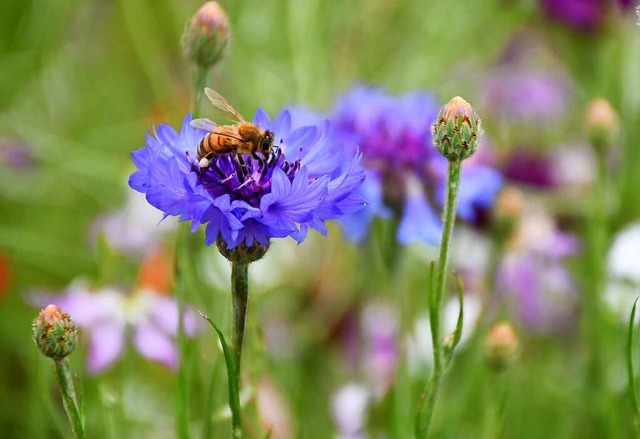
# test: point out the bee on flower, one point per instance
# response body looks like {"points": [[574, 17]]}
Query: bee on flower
{"points": [[248, 197]]}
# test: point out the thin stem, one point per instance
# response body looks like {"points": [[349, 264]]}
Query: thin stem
{"points": [[429, 397], [448, 218], [69, 399], [427, 404], [200, 81], [240, 296]]}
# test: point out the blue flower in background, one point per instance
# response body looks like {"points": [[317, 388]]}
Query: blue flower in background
{"points": [[305, 181], [405, 173]]}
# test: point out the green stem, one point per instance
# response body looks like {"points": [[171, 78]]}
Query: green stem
{"points": [[200, 81], [593, 319], [69, 399], [429, 397], [240, 298]]}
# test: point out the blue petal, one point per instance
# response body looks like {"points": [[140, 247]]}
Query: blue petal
{"points": [[262, 119], [419, 222]]}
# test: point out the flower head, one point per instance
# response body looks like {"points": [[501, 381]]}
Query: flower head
{"points": [[206, 35], [602, 122], [303, 182], [55, 333], [501, 346], [107, 315], [457, 130]]}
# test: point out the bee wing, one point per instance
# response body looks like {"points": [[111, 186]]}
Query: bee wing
{"points": [[203, 124], [228, 131], [223, 105]]}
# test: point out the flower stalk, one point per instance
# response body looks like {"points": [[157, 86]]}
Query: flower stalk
{"points": [[69, 398], [456, 134], [56, 336], [240, 298]]}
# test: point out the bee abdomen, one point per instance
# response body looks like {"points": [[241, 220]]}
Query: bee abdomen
{"points": [[204, 147]]}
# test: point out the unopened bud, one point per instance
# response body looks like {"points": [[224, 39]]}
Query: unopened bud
{"points": [[457, 131], [509, 204], [602, 122], [55, 333], [206, 35], [501, 346]]}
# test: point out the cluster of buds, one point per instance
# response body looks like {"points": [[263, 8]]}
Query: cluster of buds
{"points": [[54, 333], [206, 35], [457, 131], [501, 346]]}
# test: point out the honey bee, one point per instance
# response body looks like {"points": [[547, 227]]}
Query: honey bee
{"points": [[242, 137]]}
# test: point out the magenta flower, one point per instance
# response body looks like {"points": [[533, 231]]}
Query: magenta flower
{"points": [[109, 316]]}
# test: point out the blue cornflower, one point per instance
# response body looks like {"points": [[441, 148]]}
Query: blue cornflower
{"points": [[306, 180], [405, 173]]}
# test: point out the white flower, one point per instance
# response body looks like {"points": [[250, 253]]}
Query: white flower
{"points": [[623, 268]]}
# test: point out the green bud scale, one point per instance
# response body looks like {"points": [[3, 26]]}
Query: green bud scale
{"points": [[242, 254], [54, 333], [457, 131]]}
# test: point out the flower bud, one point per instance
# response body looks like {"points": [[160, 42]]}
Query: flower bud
{"points": [[54, 333], [501, 346], [457, 130], [602, 122], [242, 254], [509, 204], [206, 35]]}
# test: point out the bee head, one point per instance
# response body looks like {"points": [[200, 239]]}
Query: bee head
{"points": [[266, 143]]}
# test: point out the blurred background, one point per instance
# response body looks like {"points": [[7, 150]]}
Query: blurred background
{"points": [[82, 81]]}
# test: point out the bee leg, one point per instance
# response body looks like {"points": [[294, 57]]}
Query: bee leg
{"points": [[255, 155], [204, 162]]}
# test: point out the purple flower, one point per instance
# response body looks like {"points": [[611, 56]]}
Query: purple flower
{"points": [[532, 278], [300, 185], [109, 315], [583, 15], [404, 170], [525, 94], [562, 167]]}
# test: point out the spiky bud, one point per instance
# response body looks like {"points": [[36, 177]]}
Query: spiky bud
{"points": [[54, 333], [602, 122], [501, 346], [457, 130], [206, 35], [242, 254]]}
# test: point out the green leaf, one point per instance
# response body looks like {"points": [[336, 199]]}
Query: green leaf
{"points": [[458, 332], [234, 392]]}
